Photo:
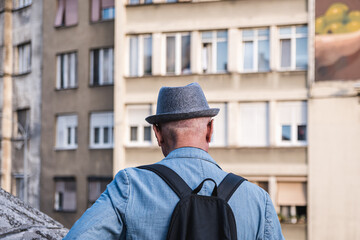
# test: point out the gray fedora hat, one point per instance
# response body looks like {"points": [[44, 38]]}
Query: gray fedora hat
{"points": [[180, 103]]}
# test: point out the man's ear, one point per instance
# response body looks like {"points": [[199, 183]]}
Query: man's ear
{"points": [[209, 131], [158, 135]]}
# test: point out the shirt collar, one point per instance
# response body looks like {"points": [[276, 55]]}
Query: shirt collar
{"points": [[191, 152]]}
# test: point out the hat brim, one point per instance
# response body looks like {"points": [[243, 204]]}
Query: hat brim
{"points": [[169, 117]]}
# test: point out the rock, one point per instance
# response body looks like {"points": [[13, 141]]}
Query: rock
{"points": [[20, 221]]}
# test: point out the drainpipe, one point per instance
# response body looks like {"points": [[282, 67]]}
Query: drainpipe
{"points": [[7, 111]]}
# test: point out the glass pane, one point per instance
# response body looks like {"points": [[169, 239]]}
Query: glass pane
{"points": [[185, 54], [285, 53], [207, 57], [96, 135], [263, 32], [134, 1], [301, 53], [301, 133], [148, 1], [106, 65], [170, 54], [134, 56], [263, 55], [147, 55], [133, 133], [76, 135], [147, 133], [108, 13], [286, 132], [69, 135], [95, 67], [248, 56], [221, 61], [206, 35], [106, 135], [171, 1], [222, 35], [302, 29], [248, 33], [285, 31]]}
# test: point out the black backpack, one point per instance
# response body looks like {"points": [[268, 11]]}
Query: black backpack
{"points": [[198, 217]]}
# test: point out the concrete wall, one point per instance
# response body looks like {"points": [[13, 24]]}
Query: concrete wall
{"points": [[334, 162], [83, 161], [27, 27]]}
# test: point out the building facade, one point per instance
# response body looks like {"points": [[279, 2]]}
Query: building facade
{"points": [[20, 98], [77, 110], [251, 59]]}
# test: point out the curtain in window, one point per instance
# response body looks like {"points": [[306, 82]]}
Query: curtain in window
{"points": [[134, 53], [95, 10], [147, 55], [185, 54], [285, 52], [107, 3], [60, 13], [71, 12], [248, 55], [170, 54]]}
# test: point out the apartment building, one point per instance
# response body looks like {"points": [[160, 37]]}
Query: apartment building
{"points": [[251, 58], [20, 98], [77, 110]]}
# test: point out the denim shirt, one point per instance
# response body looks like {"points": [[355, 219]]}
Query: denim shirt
{"points": [[138, 204]]}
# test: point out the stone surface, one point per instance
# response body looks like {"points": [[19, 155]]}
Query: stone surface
{"points": [[20, 221]]}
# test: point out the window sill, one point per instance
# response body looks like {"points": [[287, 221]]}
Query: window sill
{"points": [[21, 8], [22, 74], [180, 75], [64, 89], [161, 3], [64, 211], [101, 85], [65, 149], [292, 70], [102, 21], [101, 147], [65, 27], [134, 145]]}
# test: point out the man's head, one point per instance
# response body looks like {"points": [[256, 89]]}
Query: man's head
{"points": [[183, 118]]}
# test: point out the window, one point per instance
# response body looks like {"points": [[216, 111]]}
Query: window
{"points": [[97, 186], [65, 194], [214, 51], [293, 47], [178, 53], [102, 66], [292, 118], [67, 13], [102, 130], [263, 184], [254, 124], [66, 132], [291, 197], [140, 132], [21, 3], [24, 58], [19, 186], [140, 55], [219, 137], [131, 2], [66, 71], [255, 50], [102, 10]]}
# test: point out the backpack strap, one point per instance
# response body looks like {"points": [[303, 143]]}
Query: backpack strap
{"points": [[229, 185], [175, 182]]}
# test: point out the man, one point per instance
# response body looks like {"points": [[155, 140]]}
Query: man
{"points": [[138, 204]]}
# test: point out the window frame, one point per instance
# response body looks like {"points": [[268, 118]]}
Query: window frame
{"points": [[215, 40], [101, 66], [141, 124], [139, 2], [140, 58], [63, 16], [295, 108], [23, 58], [293, 36], [70, 121], [65, 180], [108, 123], [255, 40], [264, 108], [97, 179], [178, 54], [68, 83]]}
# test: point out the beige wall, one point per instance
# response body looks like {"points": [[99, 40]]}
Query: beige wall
{"points": [[334, 162]]}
